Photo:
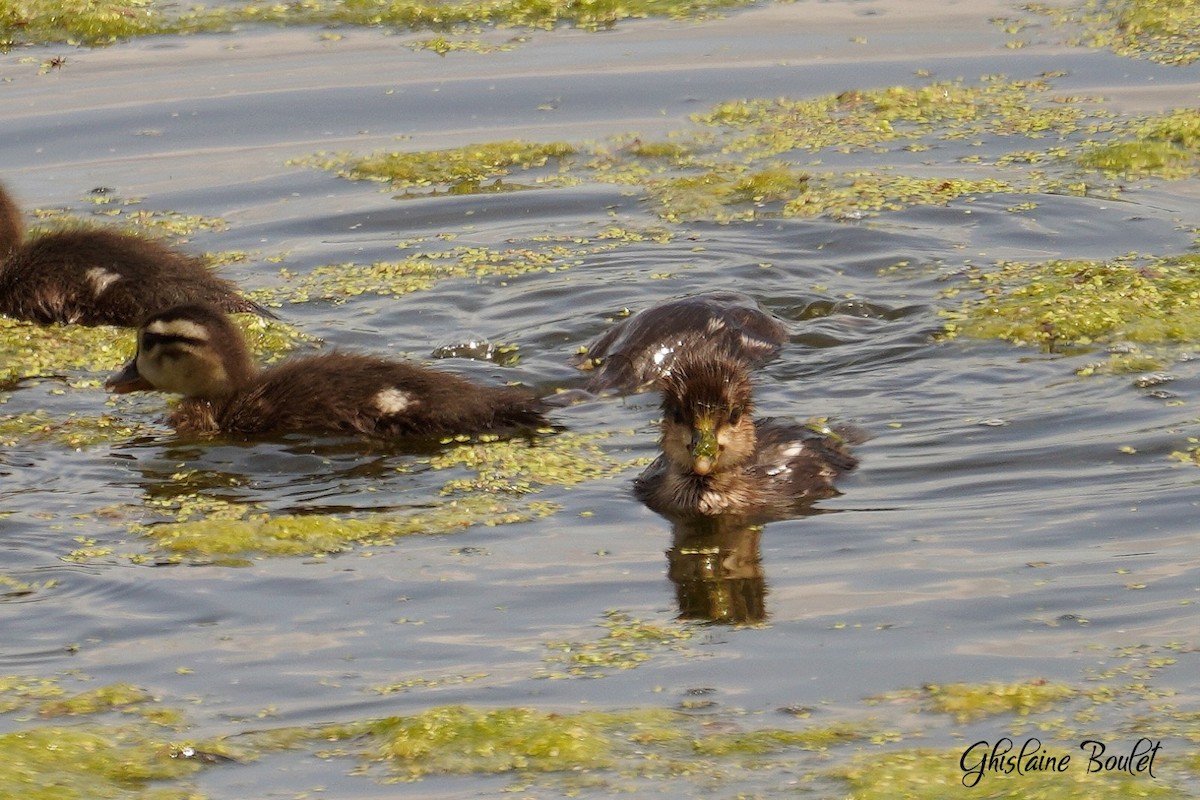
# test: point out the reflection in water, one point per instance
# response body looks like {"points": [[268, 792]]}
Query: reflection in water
{"points": [[716, 566]]}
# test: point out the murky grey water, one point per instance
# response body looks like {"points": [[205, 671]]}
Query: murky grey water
{"points": [[962, 549]]}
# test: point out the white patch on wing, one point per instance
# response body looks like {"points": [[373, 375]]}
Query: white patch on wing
{"points": [[714, 324], [101, 279], [393, 401], [754, 343], [793, 450]]}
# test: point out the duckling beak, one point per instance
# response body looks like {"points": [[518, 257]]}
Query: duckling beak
{"points": [[128, 380], [705, 449]]}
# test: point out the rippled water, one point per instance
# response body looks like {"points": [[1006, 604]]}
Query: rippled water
{"points": [[995, 530]]}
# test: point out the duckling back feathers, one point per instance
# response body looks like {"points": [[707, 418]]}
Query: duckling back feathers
{"points": [[100, 277], [636, 352], [361, 394], [196, 351]]}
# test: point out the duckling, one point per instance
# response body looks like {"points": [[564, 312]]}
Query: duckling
{"points": [[636, 352], [197, 352], [100, 277], [716, 459]]}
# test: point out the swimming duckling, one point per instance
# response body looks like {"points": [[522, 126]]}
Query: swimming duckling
{"points": [[716, 459], [636, 352], [197, 352], [100, 277]]}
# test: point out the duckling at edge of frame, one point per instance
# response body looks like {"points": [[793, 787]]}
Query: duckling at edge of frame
{"points": [[637, 352], [94, 276], [197, 352], [716, 459]]}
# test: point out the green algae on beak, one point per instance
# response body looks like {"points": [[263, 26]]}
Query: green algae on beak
{"points": [[705, 448]]}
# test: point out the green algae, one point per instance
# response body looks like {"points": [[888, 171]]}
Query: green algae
{"points": [[450, 740], [1164, 31], [457, 170], [194, 525], [429, 262], [521, 466], [85, 763], [97, 22], [765, 157], [1164, 146], [967, 702], [1190, 454], [627, 643], [866, 120], [1073, 303], [441, 45], [240, 532], [562, 751], [90, 758], [135, 221], [929, 774], [116, 696], [458, 739], [1131, 159], [25, 692], [13, 588], [771, 740], [75, 431]]}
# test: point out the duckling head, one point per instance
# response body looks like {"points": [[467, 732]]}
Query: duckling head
{"points": [[194, 351], [707, 405]]}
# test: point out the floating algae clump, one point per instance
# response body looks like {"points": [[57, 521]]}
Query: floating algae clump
{"points": [[754, 157], [1163, 146], [972, 701], [627, 643], [1067, 303], [520, 466], [99, 22], [75, 430], [260, 534], [89, 762], [459, 169], [88, 759], [927, 774], [462, 739], [1160, 30], [458, 739]]}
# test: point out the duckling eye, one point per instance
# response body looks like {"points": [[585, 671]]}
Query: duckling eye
{"points": [[678, 416], [735, 414]]}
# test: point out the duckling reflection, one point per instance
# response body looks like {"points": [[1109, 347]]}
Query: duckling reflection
{"points": [[716, 459], [637, 352], [197, 352], [100, 277], [716, 566]]}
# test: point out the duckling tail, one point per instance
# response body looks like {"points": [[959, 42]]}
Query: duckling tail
{"points": [[517, 408]]}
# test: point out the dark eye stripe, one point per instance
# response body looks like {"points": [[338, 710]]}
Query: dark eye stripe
{"points": [[151, 340]]}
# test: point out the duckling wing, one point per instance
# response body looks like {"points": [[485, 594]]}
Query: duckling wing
{"points": [[800, 460]]}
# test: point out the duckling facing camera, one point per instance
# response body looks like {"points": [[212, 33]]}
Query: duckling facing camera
{"points": [[100, 277], [197, 352], [637, 352], [717, 459]]}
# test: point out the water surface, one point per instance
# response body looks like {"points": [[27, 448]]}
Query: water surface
{"points": [[1010, 521]]}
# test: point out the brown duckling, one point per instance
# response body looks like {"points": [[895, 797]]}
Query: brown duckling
{"points": [[197, 352], [92, 276], [716, 459], [636, 352]]}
